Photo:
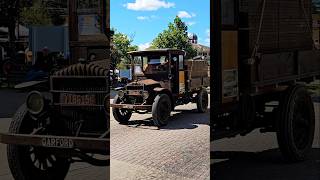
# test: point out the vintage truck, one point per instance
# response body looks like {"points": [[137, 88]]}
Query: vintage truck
{"points": [[262, 58], [162, 79], [70, 123]]}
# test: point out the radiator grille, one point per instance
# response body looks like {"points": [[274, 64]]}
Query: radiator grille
{"points": [[94, 118]]}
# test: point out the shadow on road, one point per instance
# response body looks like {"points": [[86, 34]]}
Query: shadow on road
{"points": [[263, 165], [183, 119], [137, 123]]}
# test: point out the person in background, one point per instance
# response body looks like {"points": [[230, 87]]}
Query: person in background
{"points": [[44, 61], [42, 66], [28, 59]]}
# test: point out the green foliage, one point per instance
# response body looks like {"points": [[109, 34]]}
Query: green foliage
{"points": [[35, 15], [8, 10], [176, 36], [316, 6], [122, 44], [57, 19]]}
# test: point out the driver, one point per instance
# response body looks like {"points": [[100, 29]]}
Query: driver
{"points": [[164, 65]]}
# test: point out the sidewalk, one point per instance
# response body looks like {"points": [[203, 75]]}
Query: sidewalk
{"points": [[4, 124]]}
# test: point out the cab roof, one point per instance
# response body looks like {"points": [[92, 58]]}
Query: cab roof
{"points": [[162, 51]]}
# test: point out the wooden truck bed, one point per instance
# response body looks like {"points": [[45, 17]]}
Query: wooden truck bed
{"points": [[274, 69], [197, 74], [286, 25], [285, 49]]}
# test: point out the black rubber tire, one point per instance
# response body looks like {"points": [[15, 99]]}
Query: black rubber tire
{"points": [[120, 115], [202, 100], [20, 157], [295, 124], [161, 110]]}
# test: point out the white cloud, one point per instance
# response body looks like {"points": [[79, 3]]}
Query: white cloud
{"points": [[185, 14], [142, 18], [191, 23], [144, 46], [148, 5]]}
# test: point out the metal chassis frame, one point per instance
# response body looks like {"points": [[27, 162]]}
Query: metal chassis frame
{"points": [[134, 106]]}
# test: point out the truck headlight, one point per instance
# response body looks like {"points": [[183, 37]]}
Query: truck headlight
{"points": [[121, 94], [145, 94], [35, 102]]}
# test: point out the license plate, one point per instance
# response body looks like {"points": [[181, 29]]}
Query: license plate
{"points": [[57, 142], [76, 99], [128, 107]]}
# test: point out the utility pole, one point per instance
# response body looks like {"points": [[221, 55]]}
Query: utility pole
{"points": [[73, 21], [73, 31]]}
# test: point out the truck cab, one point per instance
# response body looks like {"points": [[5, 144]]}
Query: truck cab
{"points": [[160, 65]]}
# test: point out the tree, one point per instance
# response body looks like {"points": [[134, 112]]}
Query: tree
{"points": [[176, 36], [8, 10], [316, 6], [35, 15], [122, 44]]}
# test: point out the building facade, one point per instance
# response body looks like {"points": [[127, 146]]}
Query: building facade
{"points": [[203, 51]]}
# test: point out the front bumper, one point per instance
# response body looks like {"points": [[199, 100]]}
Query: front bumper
{"points": [[132, 106], [64, 142]]}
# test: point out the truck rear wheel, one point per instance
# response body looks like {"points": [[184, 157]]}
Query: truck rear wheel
{"points": [[202, 100], [28, 162], [295, 124], [161, 109], [120, 115]]}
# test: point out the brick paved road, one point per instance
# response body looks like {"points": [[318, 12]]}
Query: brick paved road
{"points": [[178, 151]]}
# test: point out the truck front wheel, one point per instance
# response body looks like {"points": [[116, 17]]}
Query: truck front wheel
{"points": [[161, 109], [28, 162], [296, 124], [120, 115]]}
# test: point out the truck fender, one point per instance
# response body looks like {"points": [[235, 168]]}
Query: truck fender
{"points": [[160, 90]]}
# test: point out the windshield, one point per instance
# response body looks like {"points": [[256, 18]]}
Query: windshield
{"points": [[150, 64]]}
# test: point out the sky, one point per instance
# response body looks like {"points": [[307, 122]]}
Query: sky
{"points": [[143, 20]]}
